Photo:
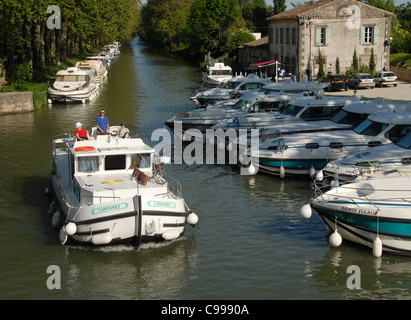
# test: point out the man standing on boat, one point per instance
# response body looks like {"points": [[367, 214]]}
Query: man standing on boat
{"points": [[102, 123]]}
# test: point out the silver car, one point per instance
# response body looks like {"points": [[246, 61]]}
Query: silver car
{"points": [[361, 80], [385, 78]]}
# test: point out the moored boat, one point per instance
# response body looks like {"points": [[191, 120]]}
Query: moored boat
{"points": [[373, 213], [74, 85], [216, 74], [305, 153], [110, 190]]}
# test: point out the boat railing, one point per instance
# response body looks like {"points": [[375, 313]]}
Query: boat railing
{"points": [[174, 187], [68, 197]]}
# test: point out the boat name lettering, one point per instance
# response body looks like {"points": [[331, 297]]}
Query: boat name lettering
{"points": [[360, 211], [163, 204], [111, 207]]}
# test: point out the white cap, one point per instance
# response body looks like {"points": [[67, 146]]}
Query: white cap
{"points": [[78, 124]]}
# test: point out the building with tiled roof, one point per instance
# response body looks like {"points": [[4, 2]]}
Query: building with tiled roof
{"points": [[334, 27]]}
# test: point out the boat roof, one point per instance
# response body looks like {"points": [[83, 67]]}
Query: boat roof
{"points": [[219, 66], [402, 117], [250, 78], [108, 145], [288, 85], [362, 107], [321, 100], [73, 70]]}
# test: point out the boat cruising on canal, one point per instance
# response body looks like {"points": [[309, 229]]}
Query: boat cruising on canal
{"points": [[74, 85], [305, 153], [373, 213], [110, 190], [217, 74]]}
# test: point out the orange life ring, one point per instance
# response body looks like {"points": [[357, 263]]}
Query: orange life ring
{"points": [[218, 73], [86, 148]]}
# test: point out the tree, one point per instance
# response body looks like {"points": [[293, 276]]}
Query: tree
{"points": [[337, 66], [279, 6], [321, 72], [355, 64], [208, 23], [372, 63]]}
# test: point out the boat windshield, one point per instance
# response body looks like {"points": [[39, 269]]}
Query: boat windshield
{"points": [[291, 109], [71, 78], [231, 84], [345, 117], [405, 141], [268, 106], [241, 104], [221, 72], [370, 128], [398, 132]]}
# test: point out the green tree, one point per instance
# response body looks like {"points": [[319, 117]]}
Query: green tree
{"points": [[321, 72], [207, 25], [337, 66], [372, 63], [355, 64], [279, 6]]}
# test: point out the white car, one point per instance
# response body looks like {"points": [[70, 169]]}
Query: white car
{"points": [[385, 78]]}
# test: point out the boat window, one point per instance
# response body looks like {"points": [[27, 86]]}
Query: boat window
{"points": [[142, 160], [71, 78], [405, 141], [231, 84], [320, 113], [344, 117], [241, 104], [87, 164], [397, 132], [115, 162], [370, 128], [267, 106], [249, 86], [292, 110]]}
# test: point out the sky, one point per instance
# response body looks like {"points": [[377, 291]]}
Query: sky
{"points": [[289, 6]]}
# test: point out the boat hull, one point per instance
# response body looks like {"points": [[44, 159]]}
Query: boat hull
{"points": [[73, 96], [395, 234], [132, 220]]}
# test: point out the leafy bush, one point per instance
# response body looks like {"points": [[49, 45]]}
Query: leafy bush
{"points": [[22, 77]]}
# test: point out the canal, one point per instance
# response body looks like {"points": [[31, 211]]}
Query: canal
{"points": [[250, 242]]}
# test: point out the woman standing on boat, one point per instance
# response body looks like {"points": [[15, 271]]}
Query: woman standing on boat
{"points": [[102, 123]]}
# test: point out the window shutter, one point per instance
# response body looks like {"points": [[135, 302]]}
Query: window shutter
{"points": [[375, 35], [362, 35], [318, 36], [327, 36]]}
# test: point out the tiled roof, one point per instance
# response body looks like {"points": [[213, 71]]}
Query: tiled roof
{"points": [[307, 7], [256, 43]]}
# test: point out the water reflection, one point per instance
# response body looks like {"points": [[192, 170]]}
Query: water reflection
{"points": [[154, 271]]}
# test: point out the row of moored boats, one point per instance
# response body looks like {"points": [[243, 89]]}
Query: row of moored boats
{"points": [[81, 83], [357, 151]]}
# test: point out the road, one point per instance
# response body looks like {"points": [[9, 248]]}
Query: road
{"points": [[400, 93]]}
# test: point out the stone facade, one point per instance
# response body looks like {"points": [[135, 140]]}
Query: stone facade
{"points": [[337, 28], [15, 102]]}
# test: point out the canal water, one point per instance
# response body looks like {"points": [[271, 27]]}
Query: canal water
{"points": [[250, 242]]}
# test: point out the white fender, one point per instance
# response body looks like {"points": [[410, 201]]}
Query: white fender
{"points": [[103, 238], [171, 234]]}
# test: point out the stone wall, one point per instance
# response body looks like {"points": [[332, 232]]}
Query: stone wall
{"points": [[402, 73], [14, 102]]}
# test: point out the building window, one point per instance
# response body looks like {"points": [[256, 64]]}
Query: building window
{"points": [[369, 35], [294, 36], [281, 35], [271, 35], [322, 36], [287, 35]]}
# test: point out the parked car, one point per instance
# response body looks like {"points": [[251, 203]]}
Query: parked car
{"points": [[361, 80], [385, 78], [337, 82]]}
